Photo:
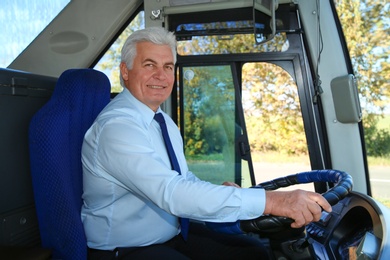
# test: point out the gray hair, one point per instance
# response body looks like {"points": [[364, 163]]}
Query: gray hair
{"points": [[156, 35]]}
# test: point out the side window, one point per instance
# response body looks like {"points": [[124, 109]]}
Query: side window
{"points": [[369, 51], [109, 63], [213, 135], [21, 22], [274, 122]]}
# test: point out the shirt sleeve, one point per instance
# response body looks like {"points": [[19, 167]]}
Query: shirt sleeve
{"points": [[133, 159]]}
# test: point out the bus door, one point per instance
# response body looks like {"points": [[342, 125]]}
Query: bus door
{"points": [[228, 109], [251, 105]]}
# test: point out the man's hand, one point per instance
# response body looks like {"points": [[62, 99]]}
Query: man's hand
{"points": [[229, 183], [301, 206]]}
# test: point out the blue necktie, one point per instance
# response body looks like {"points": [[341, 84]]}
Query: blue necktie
{"points": [[184, 222]]}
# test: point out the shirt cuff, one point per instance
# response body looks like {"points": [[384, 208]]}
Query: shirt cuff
{"points": [[253, 203]]}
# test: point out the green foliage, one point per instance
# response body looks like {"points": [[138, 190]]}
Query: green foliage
{"points": [[207, 124], [272, 108], [110, 61], [367, 30], [274, 122], [272, 125], [377, 140]]}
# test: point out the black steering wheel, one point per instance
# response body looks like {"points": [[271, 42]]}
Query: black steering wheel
{"points": [[268, 224]]}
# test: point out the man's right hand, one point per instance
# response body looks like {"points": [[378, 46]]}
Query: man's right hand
{"points": [[301, 206]]}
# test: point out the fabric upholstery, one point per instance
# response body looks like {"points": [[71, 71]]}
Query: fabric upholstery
{"points": [[55, 138]]}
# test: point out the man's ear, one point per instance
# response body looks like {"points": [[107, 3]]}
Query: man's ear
{"points": [[124, 71]]}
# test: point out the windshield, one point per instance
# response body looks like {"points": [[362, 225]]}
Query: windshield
{"points": [[21, 21]]}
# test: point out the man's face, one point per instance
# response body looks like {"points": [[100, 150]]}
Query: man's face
{"points": [[151, 78]]}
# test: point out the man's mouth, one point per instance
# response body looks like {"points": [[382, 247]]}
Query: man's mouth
{"points": [[156, 87]]}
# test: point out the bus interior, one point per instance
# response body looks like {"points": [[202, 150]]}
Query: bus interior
{"points": [[238, 63]]}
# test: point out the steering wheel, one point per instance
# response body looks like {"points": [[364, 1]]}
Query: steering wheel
{"points": [[268, 224]]}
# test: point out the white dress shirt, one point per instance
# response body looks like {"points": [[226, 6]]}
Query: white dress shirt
{"points": [[132, 197]]}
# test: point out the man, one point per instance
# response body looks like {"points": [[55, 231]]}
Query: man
{"points": [[133, 199]]}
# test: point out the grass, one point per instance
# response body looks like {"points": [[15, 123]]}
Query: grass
{"points": [[274, 157], [212, 171], [378, 161], [385, 202], [384, 123], [214, 168]]}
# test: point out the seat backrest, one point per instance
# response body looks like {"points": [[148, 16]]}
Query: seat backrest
{"points": [[56, 134]]}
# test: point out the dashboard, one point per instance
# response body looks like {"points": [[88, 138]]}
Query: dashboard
{"points": [[357, 228]]}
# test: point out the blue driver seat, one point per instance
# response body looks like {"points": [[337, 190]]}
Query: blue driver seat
{"points": [[56, 134]]}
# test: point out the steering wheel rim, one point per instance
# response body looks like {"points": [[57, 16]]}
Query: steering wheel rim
{"points": [[268, 224], [342, 180]]}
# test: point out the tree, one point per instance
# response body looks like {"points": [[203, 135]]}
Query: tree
{"points": [[110, 61], [366, 26], [209, 110], [272, 121], [272, 94], [367, 29]]}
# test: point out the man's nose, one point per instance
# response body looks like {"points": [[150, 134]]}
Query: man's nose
{"points": [[160, 74]]}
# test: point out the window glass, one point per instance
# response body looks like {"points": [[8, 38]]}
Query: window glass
{"points": [[20, 23], [210, 125], [366, 29], [109, 63], [274, 122], [226, 44]]}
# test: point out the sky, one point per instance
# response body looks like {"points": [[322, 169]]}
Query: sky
{"points": [[21, 21]]}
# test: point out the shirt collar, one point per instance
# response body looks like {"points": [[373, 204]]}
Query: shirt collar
{"points": [[146, 114]]}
